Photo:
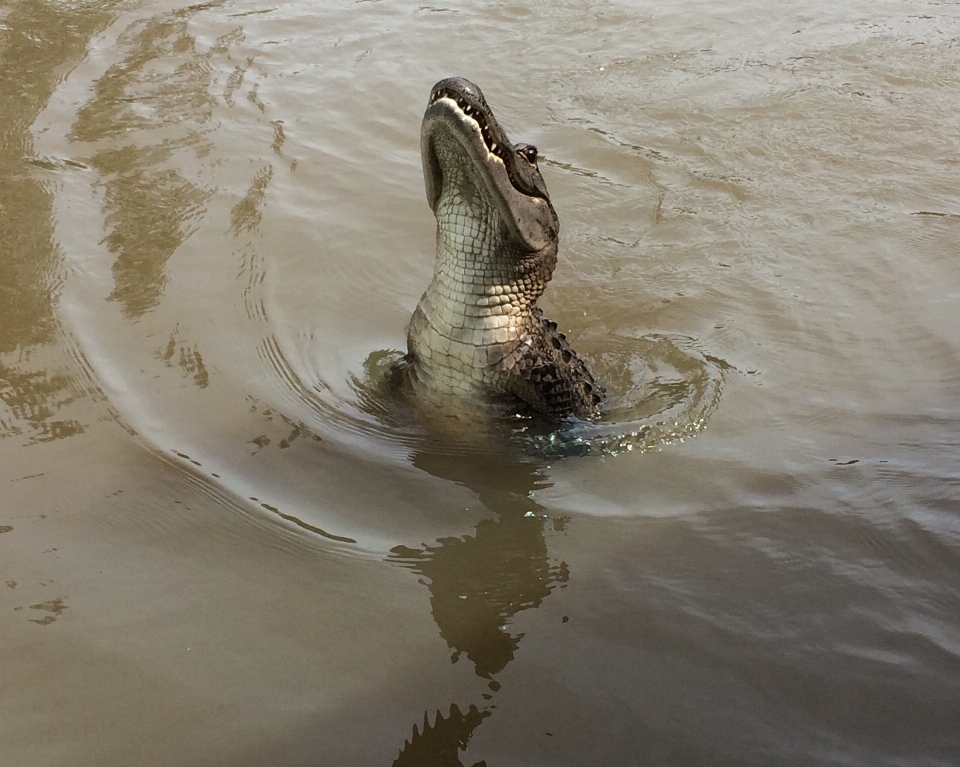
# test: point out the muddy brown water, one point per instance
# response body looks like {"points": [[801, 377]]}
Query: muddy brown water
{"points": [[220, 544]]}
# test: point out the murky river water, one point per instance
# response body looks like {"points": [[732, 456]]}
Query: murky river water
{"points": [[220, 544]]}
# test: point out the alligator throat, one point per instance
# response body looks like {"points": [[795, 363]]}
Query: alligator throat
{"points": [[477, 337]]}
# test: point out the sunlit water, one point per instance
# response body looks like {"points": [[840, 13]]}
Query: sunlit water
{"points": [[216, 233]]}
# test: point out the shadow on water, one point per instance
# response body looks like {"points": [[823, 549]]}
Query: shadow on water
{"points": [[478, 582]]}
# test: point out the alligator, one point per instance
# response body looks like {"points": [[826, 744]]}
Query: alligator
{"points": [[477, 336]]}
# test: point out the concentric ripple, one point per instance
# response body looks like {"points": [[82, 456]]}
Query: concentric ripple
{"points": [[659, 391], [236, 319]]}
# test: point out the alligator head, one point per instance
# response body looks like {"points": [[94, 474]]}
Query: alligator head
{"points": [[467, 155], [476, 335]]}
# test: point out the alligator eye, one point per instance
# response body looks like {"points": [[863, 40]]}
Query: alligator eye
{"points": [[529, 153]]}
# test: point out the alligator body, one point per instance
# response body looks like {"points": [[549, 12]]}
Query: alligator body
{"points": [[477, 336]]}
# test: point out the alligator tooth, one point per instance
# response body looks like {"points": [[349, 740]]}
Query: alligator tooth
{"points": [[493, 148]]}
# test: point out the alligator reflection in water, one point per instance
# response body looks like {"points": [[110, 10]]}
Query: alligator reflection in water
{"points": [[479, 582], [438, 743]]}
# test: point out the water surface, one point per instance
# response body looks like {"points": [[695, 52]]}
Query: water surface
{"points": [[222, 544]]}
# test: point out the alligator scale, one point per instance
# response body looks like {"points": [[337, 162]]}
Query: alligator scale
{"points": [[477, 337]]}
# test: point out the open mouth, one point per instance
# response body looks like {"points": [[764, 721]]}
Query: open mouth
{"points": [[474, 114]]}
